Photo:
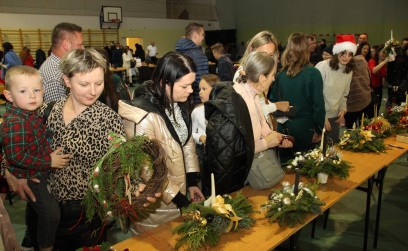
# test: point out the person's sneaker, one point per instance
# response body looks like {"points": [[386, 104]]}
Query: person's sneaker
{"points": [[26, 244], [26, 249]]}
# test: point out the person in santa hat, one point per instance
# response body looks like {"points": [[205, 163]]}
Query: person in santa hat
{"points": [[337, 74]]}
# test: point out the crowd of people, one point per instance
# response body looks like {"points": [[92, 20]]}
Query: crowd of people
{"points": [[58, 117]]}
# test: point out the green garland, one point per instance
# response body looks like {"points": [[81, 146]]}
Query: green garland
{"points": [[313, 162], [203, 225], [289, 209], [359, 140], [116, 177]]}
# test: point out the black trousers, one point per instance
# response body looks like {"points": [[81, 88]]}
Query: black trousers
{"points": [[47, 212], [73, 231]]}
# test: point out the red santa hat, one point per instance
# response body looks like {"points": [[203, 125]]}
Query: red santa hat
{"points": [[345, 43]]}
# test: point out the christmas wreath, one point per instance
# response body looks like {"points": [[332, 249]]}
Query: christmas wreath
{"points": [[290, 205], [398, 118], [359, 140], [116, 177], [204, 224], [314, 162], [380, 127]]}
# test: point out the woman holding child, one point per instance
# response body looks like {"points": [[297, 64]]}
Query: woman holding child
{"points": [[79, 125]]}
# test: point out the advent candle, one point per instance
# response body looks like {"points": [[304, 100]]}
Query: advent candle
{"points": [[210, 200], [322, 140], [391, 36], [375, 111], [406, 99], [362, 121], [297, 179]]}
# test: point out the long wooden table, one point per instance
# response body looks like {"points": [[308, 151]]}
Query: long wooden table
{"points": [[266, 236]]}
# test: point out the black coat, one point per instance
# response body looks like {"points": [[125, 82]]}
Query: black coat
{"points": [[230, 141]]}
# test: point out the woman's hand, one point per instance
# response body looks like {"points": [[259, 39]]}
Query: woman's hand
{"points": [[149, 199], [282, 106], [273, 139], [195, 194], [341, 119], [20, 186], [316, 138], [286, 144], [327, 125]]}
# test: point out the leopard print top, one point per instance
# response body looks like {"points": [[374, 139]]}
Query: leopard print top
{"points": [[86, 138]]}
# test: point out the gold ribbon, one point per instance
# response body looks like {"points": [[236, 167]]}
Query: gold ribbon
{"points": [[226, 209]]}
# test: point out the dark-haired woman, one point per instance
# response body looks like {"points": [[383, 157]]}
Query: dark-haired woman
{"points": [[161, 110], [114, 88], [10, 58], [378, 69], [336, 73]]}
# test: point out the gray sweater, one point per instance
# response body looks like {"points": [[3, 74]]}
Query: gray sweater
{"points": [[336, 86]]}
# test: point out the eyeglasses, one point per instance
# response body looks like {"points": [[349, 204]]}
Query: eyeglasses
{"points": [[345, 53]]}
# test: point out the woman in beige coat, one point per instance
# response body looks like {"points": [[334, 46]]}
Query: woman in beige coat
{"points": [[161, 109]]}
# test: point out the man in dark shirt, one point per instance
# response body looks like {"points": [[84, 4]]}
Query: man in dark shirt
{"points": [[315, 53], [191, 45], [225, 67]]}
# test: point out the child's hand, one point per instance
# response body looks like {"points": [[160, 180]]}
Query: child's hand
{"points": [[59, 160]]}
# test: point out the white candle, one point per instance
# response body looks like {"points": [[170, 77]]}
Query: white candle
{"points": [[406, 99], [210, 200], [362, 121], [322, 141], [391, 36]]}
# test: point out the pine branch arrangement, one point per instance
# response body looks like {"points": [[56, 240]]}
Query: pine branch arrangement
{"points": [[380, 127], [116, 177], [359, 140], [290, 209], [203, 226], [314, 162], [398, 118]]}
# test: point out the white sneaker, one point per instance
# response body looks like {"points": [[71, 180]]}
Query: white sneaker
{"points": [[27, 249]]}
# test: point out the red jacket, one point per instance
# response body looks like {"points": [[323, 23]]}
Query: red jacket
{"points": [[376, 77]]}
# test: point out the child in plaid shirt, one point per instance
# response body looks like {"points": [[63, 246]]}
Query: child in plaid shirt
{"points": [[27, 152]]}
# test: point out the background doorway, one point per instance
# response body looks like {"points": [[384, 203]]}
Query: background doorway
{"points": [[131, 41]]}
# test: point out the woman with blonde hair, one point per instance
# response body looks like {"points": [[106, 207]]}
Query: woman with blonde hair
{"points": [[302, 85], [266, 42]]}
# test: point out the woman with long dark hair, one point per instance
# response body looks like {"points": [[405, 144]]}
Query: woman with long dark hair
{"points": [[336, 73], [161, 110]]}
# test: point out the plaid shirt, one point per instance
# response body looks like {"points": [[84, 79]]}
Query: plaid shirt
{"points": [[54, 85], [25, 145]]}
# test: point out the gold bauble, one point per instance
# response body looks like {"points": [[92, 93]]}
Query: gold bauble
{"points": [[203, 222]]}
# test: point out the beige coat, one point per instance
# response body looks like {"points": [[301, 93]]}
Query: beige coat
{"points": [[180, 160]]}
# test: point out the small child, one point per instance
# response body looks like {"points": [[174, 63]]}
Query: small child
{"points": [[198, 118], [27, 152]]}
